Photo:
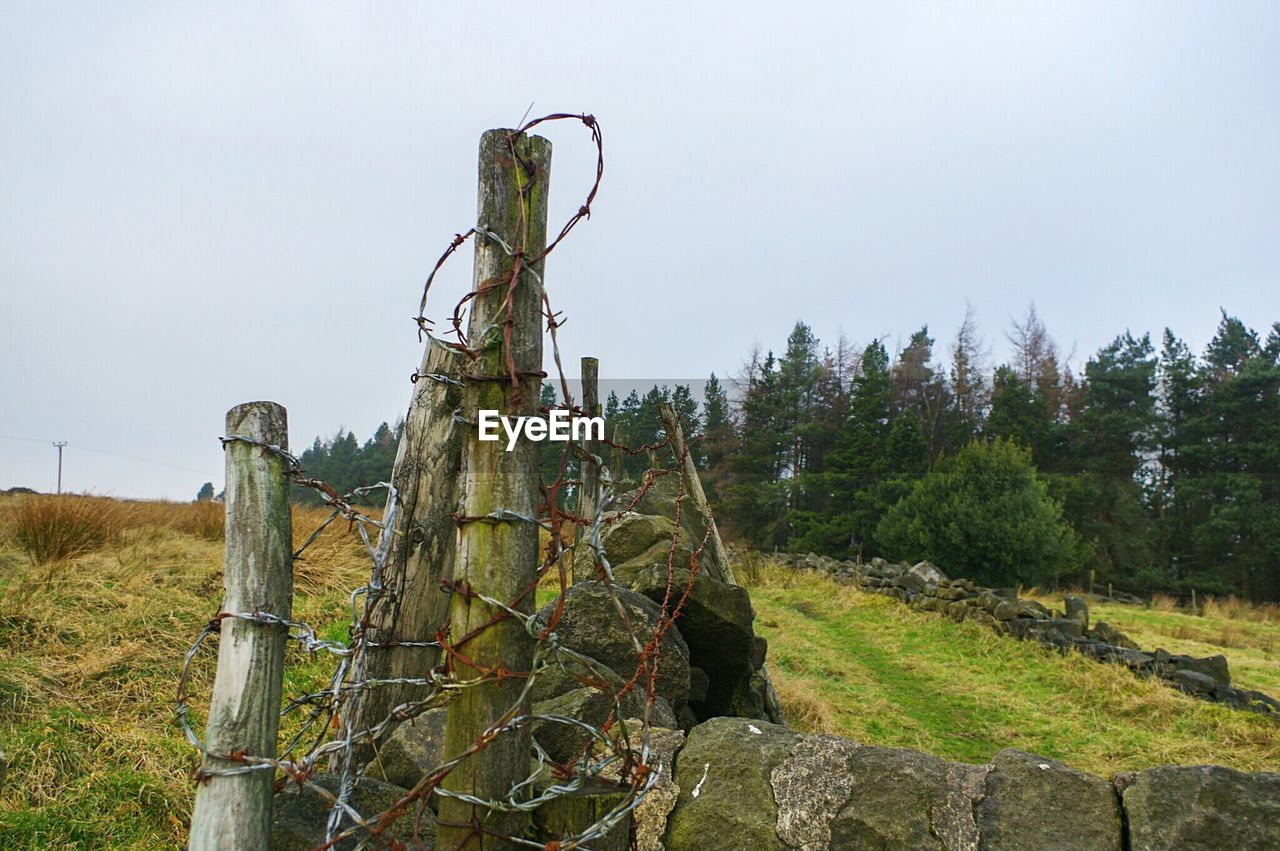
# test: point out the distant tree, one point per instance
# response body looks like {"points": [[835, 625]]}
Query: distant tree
{"points": [[920, 389], [755, 496], [856, 467], [970, 389], [984, 514], [719, 438], [1114, 432], [1018, 412], [1229, 485], [205, 493]]}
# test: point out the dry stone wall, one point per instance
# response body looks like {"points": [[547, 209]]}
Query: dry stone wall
{"points": [[926, 588], [741, 783], [729, 776]]}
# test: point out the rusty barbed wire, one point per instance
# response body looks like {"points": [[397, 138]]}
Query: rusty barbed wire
{"points": [[326, 733]]}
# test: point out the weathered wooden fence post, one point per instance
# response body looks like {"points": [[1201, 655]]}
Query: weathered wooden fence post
{"points": [[589, 490], [721, 569], [619, 471], [413, 606], [497, 551], [234, 812]]}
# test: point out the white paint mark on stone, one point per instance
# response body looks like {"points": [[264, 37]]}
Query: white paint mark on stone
{"points": [[697, 790], [753, 728]]}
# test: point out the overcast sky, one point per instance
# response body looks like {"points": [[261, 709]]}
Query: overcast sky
{"points": [[207, 204]]}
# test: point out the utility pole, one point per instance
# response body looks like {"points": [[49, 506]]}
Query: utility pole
{"points": [[59, 444]]}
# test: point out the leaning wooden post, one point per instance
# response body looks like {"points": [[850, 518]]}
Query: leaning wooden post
{"points": [[234, 812], [589, 490], [721, 569], [497, 549], [720, 557], [412, 606]]}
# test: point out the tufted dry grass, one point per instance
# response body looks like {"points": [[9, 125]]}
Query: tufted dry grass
{"points": [[89, 654]]}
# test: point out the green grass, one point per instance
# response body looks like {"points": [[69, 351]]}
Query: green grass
{"points": [[1250, 640], [867, 667], [90, 650]]}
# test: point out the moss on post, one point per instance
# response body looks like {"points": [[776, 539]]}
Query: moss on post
{"points": [[497, 558]]}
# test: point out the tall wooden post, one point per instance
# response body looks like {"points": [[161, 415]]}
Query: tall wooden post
{"points": [[497, 556], [589, 490], [413, 605], [234, 812]]}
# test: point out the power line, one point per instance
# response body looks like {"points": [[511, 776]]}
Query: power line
{"points": [[95, 450]]}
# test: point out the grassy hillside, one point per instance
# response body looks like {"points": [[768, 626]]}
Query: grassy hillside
{"points": [[90, 647], [89, 654], [1248, 635], [867, 667]]}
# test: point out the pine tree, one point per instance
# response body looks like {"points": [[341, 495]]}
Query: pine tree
{"points": [[755, 495], [857, 466], [719, 440], [970, 390], [1113, 436]]}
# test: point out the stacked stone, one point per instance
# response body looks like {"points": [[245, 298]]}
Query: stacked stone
{"points": [[749, 785], [710, 663], [926, 588], [742, 783], [718, 667]]}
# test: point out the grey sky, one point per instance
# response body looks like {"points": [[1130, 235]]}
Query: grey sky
{"points": [[206, 204]]}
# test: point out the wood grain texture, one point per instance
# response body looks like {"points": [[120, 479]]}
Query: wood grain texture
{"points": [[413, 605], [235, 812], [589, 493], [498, 559]]}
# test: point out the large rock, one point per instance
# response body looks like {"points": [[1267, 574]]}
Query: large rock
{"points": [[1029, 801], [1104, 631], [573, 812], [591, 626], [564, 674], [660, 499], [634, 541], [565, 742], [716, 623], [726, 799], [1192, 682], [834, 793], [414, 749], [746, 784], [1201, 807], [652, 812], [1214, 667], [928, 572], [299, 816]]}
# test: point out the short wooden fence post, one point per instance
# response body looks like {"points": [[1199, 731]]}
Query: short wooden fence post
{"points": [[234, 811]]}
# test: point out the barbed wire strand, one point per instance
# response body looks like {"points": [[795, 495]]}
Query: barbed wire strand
{"points": [[327, 732]]}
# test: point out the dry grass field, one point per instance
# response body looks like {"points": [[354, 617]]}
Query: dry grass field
{"points": [[99, 600]]}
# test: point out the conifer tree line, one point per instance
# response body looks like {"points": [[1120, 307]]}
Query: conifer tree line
{"points": [[345, 463], [1155, 468]]}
